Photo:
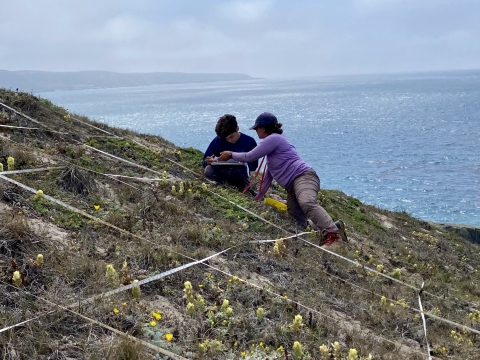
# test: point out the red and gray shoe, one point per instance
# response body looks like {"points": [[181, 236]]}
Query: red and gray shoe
{"points": [[334, 240]]}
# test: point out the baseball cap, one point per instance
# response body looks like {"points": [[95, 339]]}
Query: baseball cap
{"points": [[263, 119]]}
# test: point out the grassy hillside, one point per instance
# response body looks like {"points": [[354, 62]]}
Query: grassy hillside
{"points": [[141, 207]]}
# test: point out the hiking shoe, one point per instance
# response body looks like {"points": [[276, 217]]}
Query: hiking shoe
{"points": [[341, 230], [332, 241]]}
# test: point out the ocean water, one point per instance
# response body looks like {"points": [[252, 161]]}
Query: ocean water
{"points": [[407, 142]]}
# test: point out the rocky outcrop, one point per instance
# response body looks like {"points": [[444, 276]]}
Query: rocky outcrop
{"points": [[470, 233]]}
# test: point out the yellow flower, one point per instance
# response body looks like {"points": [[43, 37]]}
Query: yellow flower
{"points": [[17, 278], [153, 323], [157, 315], [124, 304], [39, 194], [243, 354], [10, 163], [136, 290], [200, 285], [39, 259], [96, 207], [116, 311], [235, 344], [169, 337]]}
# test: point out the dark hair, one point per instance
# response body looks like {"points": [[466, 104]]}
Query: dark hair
{"points": [[226, 125], [273, 128]]}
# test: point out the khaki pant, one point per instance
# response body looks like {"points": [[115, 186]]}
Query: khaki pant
{"points": [[302, 203]]}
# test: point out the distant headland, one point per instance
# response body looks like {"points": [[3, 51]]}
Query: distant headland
{"points": [[40, 81]]}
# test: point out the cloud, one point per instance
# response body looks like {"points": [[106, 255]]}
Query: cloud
{"points": [[245, 11], [262, 38]]}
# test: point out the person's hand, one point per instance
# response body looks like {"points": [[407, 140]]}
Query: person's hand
{"points": [[210, 159], [225, 155]]}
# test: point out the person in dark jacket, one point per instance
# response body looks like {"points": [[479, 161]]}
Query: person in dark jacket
{"points": [[229, 138]]}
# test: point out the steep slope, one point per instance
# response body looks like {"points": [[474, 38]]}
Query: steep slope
{"points": [[138, 203]]}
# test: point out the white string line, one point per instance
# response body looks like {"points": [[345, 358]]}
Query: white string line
{"points": [[118, 180], [398, 281], [182, 267], [52, 131], [248, 211], [150, 279], [136, 236], [94, 127], [26, 321], [241, 207], [306, 307], [356, 264], [55, 131], [157, 172], [424, 322], [30, 128], [42, 124], [25, 116], [266, 221], [133, 177], [31, 170], [59, 167], [283, 238], [93, 321]]}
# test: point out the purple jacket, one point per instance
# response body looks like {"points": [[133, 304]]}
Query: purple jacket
{"points": [[283, 162]]}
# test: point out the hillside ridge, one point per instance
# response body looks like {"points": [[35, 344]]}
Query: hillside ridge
{"points": [[41, 81]]}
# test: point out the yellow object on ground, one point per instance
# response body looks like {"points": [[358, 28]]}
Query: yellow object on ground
{"points": [[279, 205]]}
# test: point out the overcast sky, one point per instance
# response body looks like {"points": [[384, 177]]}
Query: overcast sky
{"points": [[265, 38]]}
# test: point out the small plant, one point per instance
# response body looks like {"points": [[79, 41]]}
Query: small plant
{"points": [[474, 316], [39, 261], [298, 351], [1, 167], [396, 273], [188, 290], [260, 313], [297, 323], [352, 354], [11, 163], [126, 279], [279, 248], [136, 290], [38, 195], [324, 352], [164, 178], [336, 349], [112, 275], [17, 279]]}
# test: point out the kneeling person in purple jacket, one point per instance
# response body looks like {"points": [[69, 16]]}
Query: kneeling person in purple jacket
{"points": [[229, 138], [299, 180]]}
